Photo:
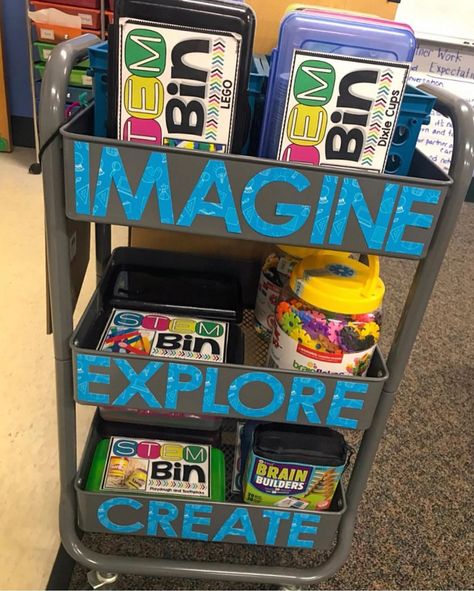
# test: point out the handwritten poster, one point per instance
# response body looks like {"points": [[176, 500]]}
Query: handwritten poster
{"points": [[451, 68]]}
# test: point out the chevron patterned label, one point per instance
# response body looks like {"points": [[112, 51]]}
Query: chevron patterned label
{"points": [[177, 85], [157, 467], [341, 111], [134, 332]]}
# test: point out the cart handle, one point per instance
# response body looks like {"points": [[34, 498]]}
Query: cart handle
{"points": [[51, 118], [55, 83]]}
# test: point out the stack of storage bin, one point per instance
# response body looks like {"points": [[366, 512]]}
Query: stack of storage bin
{"points": [[45, 37]]}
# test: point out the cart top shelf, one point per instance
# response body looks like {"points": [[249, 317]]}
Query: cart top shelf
{"points": [[110, 181]]}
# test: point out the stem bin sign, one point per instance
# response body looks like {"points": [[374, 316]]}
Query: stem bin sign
{"points": [[177, 85], [341, 111]]}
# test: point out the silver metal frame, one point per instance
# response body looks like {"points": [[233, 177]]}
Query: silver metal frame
{"points": [[60, 279]]}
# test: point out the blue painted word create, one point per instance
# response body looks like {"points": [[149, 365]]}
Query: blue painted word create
{"points": [[318, 209], [250, 395], [206, 522]]}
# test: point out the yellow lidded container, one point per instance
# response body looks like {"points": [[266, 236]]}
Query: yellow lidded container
{"points": [[274, 275], [328, 317]]}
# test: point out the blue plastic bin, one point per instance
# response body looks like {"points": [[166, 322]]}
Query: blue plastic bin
{"points": [[257, 89], [414, 112], [98, 56]]}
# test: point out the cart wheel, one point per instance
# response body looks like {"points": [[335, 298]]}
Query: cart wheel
{"points": [[98, 580], [35, 168]]}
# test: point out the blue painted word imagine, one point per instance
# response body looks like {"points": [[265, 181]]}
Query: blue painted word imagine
{"points": [[323, 218]]}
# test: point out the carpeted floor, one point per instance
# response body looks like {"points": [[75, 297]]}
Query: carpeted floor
{"points": [[415, 526]]}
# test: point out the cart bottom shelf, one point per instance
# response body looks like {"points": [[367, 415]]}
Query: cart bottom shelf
{"points": [[231, 521]]}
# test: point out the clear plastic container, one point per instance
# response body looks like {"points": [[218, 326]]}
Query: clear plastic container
{"points": [[328, 317], [275, 273]]}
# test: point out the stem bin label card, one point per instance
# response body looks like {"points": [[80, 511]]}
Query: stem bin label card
{"points": [[177, 85], [341, 111]]}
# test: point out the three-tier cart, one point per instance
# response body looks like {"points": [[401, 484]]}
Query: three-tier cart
{"points": [[103, 181]]}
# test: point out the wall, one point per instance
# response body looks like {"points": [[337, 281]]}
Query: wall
{"points": [[15, 41], [431, 16], [270, 13]]}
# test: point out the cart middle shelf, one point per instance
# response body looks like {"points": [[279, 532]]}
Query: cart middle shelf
{"points": [[247, 390]]}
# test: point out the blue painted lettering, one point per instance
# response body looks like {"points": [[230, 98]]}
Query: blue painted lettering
{"points": [[190, 519], [329, 225], [112, 171], [137, 383], [302, 398], [298, 526], [306, 401], [274, 520], [339, 402], [323, 212], [405, 217], [175, 385], [243, 380], [229, 527], [351, 197], [214, 174], [297, 213], [160, 514], [117, 528], [85, 378], [210, 388]]}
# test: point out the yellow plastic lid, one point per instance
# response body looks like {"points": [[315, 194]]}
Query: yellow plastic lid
{"points": [[334, 282], [298, 252]]}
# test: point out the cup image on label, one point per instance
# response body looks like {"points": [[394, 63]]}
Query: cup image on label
{"points": [[158, 467]]}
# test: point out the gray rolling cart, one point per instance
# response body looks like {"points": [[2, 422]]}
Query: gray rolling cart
{"points": [[104, 181]]}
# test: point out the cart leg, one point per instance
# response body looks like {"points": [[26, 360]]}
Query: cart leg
{"points": [[98, 580]]}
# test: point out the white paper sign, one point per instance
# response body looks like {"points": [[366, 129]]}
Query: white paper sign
{"points": [[341, 111], [450, 68], [177, 85], [438, 18]]}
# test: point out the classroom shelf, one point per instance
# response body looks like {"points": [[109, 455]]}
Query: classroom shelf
{"points": [[90, 17], [45, 49], [106, 512], [250, 391], [328, 208], [78, 77]]}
